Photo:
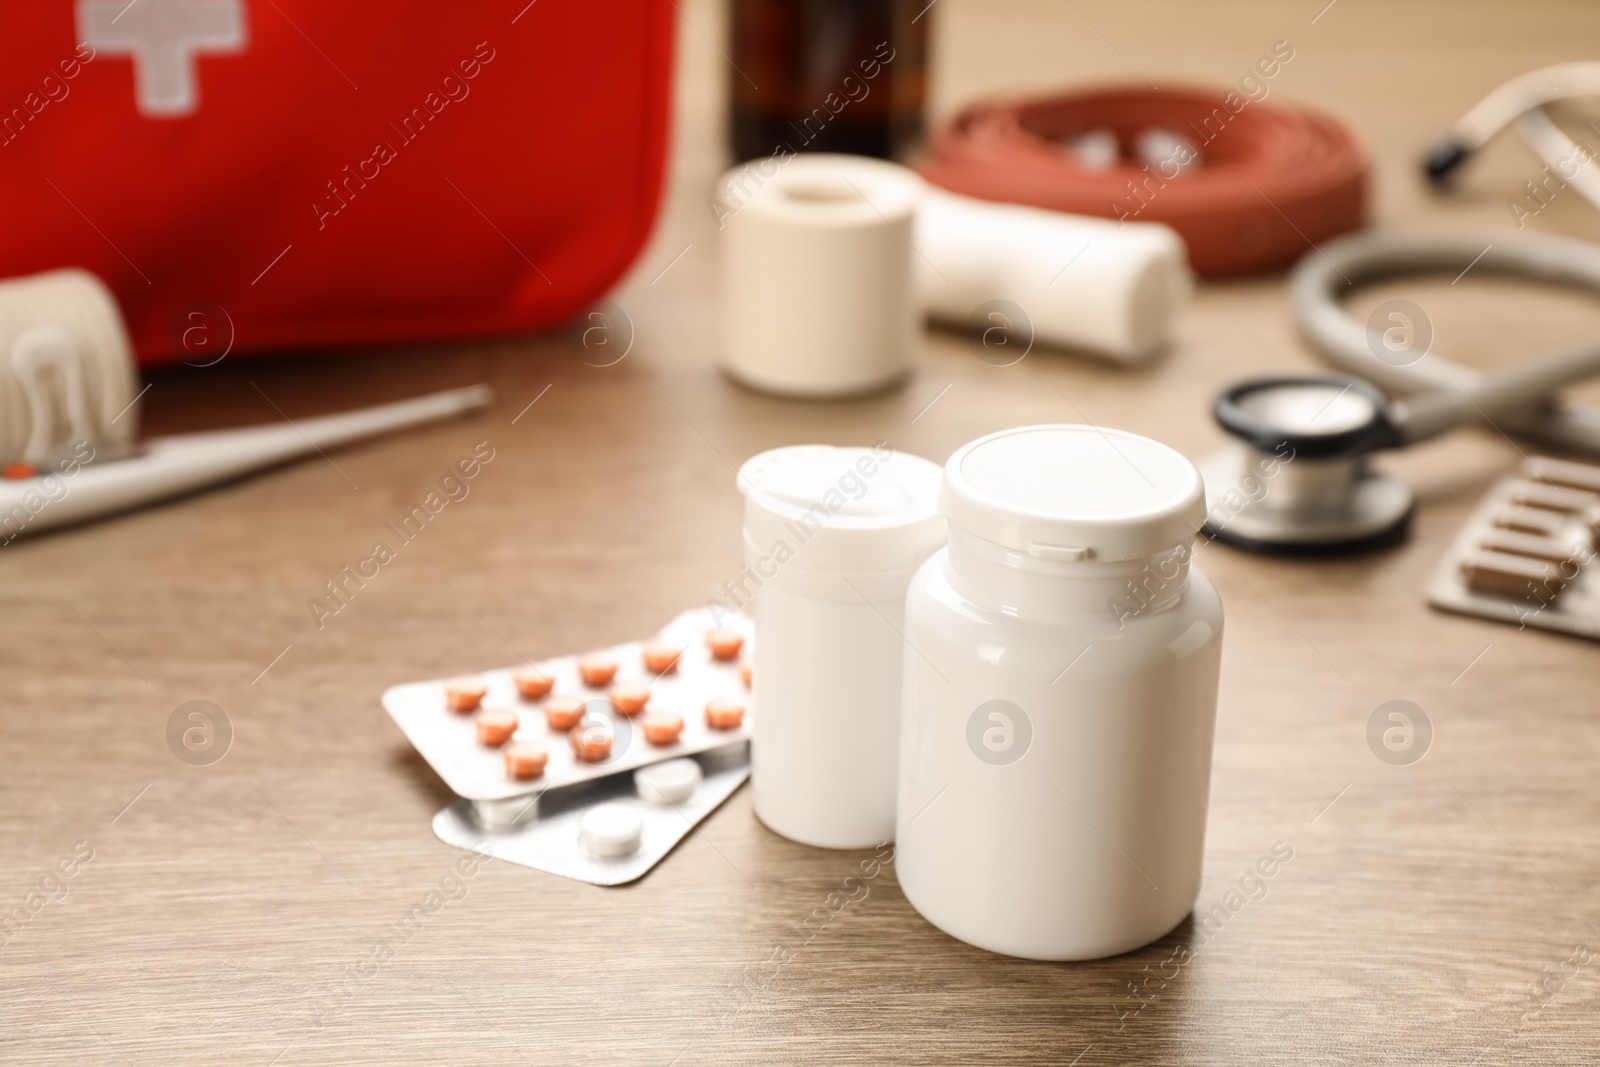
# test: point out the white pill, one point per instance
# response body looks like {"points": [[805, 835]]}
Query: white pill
{"points": [[506, 812], [671, 782], [610, 829]]}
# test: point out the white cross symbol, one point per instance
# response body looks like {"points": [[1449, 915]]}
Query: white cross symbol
{"points": [[163, 37]]}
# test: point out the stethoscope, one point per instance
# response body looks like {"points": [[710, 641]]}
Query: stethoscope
{"points": [[1299, 479]]}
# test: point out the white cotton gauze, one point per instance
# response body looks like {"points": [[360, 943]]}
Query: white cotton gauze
{"points": [[1107, 288]]}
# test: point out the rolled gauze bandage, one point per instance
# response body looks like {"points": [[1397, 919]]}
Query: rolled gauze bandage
{"points": [[1104, 287], [816, 260], [66, 370]]}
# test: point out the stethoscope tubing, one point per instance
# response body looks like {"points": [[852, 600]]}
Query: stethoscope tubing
{"points": [[1441, 393]]}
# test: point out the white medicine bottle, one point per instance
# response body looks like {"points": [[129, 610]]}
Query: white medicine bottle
{"points": [[1059, 698], [832, 537]]}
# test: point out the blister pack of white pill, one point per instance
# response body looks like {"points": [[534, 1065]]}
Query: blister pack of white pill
{"points": [[523, 731], [607, 831]]}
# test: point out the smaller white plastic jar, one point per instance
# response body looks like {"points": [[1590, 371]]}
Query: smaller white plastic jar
{"points": [[1060, 695], [832, 538]]}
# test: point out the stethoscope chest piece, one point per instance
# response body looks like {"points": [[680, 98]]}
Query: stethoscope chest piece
{"points": [[1297, 482]]}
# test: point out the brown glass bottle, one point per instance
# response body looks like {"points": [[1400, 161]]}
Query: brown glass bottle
{"points": [[828, 76]]}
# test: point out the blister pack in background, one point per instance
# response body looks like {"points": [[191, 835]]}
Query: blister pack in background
{"points": [[1526, 556]]}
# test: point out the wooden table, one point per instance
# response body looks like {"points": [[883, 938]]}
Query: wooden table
{"points": [[1443, 912]]}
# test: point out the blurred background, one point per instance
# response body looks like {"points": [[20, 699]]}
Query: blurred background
{"points": [[1414, 921]]}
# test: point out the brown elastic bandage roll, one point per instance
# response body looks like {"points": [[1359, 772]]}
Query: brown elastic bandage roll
{"points": [[1271, 181]]}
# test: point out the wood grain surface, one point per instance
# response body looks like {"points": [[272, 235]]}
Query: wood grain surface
{"points": [[1443, 912]]}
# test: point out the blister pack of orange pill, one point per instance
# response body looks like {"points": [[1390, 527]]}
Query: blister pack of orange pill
{"points": [[534, 727]]}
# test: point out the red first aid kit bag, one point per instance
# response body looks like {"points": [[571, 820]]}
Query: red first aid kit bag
{"points": [[295, 173]]}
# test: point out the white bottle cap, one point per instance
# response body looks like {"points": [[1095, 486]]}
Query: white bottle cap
{"points": [[859, 510], [1074, 493], [611, 829], [672, 782]]}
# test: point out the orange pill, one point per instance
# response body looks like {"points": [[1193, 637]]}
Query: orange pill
{"points": [[524, 761], [496, 726], [724, 644], [465, 694], [17, 471], [724, 713], [629, 699], [533, 683], [662, 727], [660, 657], [746, 671], [563, 712], [597, 670], [592, 744]]}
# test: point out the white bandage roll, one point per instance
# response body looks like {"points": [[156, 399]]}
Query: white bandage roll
{"points": [[66, 369], [1096, 285], [817, 284]]}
